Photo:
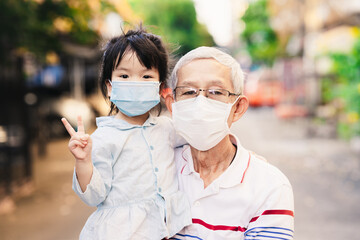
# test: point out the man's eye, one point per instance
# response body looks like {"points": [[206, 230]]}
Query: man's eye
{"points": [[147, 76], [191, 92], [216, 92], [124, 76]]}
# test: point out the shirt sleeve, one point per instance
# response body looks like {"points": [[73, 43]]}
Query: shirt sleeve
{"points": [[100, 183], [275, 218]]}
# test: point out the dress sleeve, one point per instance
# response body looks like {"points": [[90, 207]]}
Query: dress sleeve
{"points": [[100, 183], [275, 218]]}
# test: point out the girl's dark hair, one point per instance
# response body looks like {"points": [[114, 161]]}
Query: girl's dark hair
{"points": [[148, 48]]}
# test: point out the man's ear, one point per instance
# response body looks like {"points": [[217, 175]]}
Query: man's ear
{"points": [[169, 99], [109, 87], [239, 109]]}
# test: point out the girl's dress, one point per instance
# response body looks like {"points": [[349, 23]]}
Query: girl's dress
{"points": [[134, 183]]}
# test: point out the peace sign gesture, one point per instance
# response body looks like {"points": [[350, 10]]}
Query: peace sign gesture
{"points": [[80, 143]]}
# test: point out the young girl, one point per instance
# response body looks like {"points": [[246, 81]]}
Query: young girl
{"points": [[126, 167]]}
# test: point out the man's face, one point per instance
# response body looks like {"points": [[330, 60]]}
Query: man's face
{"points": [[210, 74], [205, 74]]}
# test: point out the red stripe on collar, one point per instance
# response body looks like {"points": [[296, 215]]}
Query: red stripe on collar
{"points": [[246, 168]]}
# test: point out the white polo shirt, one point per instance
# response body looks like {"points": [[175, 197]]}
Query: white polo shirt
{"points": [[250, 200]]}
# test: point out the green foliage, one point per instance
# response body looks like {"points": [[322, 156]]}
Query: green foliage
{"points": [[261, 41], [346, 87], [30, 25], [14, 22], [327, 89], [175, 20]]}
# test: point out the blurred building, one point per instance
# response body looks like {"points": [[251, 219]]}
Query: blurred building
{"points": [[309, 29], [15, 157], [34, 94]]}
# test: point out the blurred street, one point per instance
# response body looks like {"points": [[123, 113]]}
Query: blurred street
{"points": [[52, 211], [324, 174]]}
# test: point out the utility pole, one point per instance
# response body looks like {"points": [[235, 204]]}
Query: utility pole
{"points": [[78, 78]]}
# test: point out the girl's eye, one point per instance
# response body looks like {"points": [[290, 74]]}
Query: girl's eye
{"points": [[124, 76], [147, 76]]}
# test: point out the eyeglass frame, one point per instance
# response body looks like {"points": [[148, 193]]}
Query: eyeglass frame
{"points": [[198, 90]]}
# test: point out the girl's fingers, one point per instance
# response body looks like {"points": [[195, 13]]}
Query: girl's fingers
{"points": [[85, 137], [81, 137], [68, 127], [80, 124], [76, 143]]}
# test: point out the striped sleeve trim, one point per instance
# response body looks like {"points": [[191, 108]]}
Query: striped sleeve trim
{"points": [[269, 233], [251, 234], [238, 228], [274, 212], [183, 236], [218, 227]]}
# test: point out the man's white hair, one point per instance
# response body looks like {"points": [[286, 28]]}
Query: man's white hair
{"points": [[223, 58]]}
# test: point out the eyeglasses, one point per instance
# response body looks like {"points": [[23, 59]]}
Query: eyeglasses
{"points": [[221, 95]]}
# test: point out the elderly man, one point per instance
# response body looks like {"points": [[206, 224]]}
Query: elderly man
{"points": [[233, 193]]}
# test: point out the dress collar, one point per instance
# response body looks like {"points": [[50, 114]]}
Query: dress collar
{"points": [[111, 121]]}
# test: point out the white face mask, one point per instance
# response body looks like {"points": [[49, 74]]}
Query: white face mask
{"points": [[201, 121]]}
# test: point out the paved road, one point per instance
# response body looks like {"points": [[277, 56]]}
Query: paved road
{"points": [[324, 174], [52, 211]]}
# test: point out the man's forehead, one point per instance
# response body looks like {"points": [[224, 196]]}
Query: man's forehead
{"points": [[204, 70], [203, 61], [199, 64], [209, 82]]}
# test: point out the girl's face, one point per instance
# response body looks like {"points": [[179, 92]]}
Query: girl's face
{"points": [[130, 69]]}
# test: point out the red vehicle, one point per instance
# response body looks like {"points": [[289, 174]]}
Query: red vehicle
{"points": [[263, 88]]}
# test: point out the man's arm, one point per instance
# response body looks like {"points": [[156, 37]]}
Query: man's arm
{"points": [[275, 219]]}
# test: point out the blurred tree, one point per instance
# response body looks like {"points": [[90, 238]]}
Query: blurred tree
{"points": [[261, 41], [175, 20], [345, 86], [39, 26]]}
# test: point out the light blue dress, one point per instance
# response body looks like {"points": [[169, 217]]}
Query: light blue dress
{"points": [[134, 183]]}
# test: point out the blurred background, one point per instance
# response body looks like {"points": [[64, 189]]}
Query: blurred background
{"points": [[302, 65]]}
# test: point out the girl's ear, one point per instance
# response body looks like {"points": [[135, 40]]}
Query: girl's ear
{"points": [[109, 87]]}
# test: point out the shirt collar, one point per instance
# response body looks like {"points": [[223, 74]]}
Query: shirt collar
{"points": [[111, 121], [233, 175], [188, 167]]}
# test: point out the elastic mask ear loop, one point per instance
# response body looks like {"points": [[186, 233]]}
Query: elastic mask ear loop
{"points": [[232, 105], [236, 100]]}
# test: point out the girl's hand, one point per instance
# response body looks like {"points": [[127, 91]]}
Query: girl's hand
{"points": [[80, 143], [80, 146]]}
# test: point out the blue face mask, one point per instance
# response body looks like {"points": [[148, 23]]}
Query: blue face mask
{"points": [[135, 98]]}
